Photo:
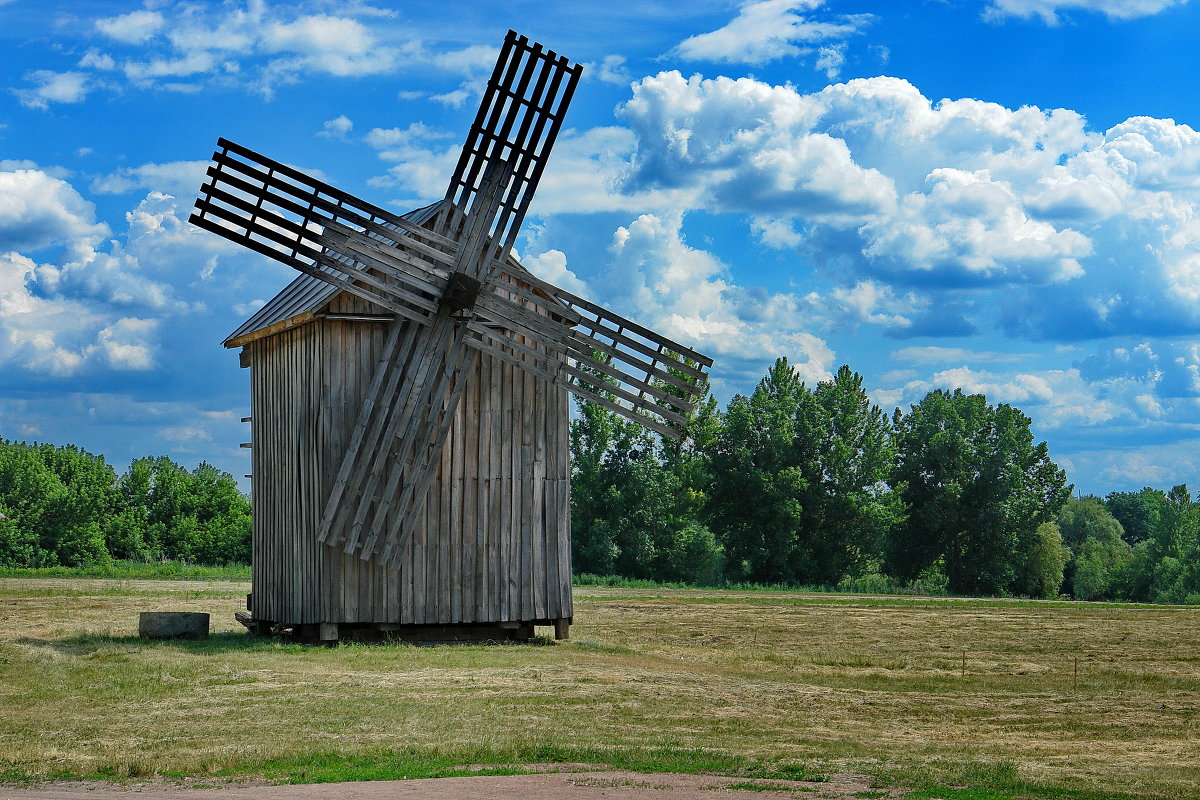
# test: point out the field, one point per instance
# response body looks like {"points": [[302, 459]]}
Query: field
{"points": [[767, 684]]}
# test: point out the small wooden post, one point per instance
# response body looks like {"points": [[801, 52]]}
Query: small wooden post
{"points": [[1075, 680], [964, 664], [329, 632]]}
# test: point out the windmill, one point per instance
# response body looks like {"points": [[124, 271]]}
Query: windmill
{"points": [[383, 503]]}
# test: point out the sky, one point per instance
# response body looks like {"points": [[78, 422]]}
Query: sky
{"points": [[1001, 196]]}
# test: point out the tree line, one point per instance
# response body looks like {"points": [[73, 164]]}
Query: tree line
{"points": [[63, 506], [816, 486], [791, 485]]}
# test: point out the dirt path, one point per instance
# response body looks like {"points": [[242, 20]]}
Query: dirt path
{"points": [[548, 786]]}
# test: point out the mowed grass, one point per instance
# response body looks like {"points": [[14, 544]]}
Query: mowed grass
{"points": [[765, 684]]}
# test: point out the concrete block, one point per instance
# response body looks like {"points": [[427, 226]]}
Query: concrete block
{"points": [[173, 625]]}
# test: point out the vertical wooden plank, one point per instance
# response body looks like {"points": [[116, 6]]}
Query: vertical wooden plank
{"points": [[511, 607], [539, 571], [458, 430], [487, 491], [525, 517], [470, 495]]}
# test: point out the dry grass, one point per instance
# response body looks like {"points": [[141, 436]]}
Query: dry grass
{"points": [[838, 684]]}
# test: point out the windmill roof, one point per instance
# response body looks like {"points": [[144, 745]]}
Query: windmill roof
{"points": [[305, 295]]}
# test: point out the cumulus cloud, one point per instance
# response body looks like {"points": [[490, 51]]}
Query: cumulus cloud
{"points": [[336, 128], [54, 87], [867, 302], [181, 46], [653, 275], [611, 70], [1077, 234], [73, 299], [136, 27], [1055, 398], [1050, 11], [177, 178], [768, 30], [38, 211]]}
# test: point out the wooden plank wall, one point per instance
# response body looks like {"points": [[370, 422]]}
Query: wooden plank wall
{"points": [[495, 545]]}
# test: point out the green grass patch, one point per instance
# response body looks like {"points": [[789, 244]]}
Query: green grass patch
{"points": [[156, 570], [758, 686]]}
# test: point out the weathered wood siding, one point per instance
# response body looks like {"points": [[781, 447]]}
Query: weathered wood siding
{"points": [[495, 545]]}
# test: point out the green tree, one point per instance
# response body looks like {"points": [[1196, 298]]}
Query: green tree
{"points": [[1041, 574], [798, 479], [636, 498], [758, 478], [848, 508], [975, 487], [1138, 512], [1098, 550]]}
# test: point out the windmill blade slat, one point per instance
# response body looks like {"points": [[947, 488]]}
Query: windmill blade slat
{"points": [[403, 395], [432, 372], [312, 222], [561, 340], [547, 304], [336, 203], [377, 407], [330, 275], [558, 322], [287, 234], [422, 436], [521, 321], [560, 336], [585, 345], [605, 366], [391, 261], [488, 340], [536, 121], [641, 397], [630, 414]]}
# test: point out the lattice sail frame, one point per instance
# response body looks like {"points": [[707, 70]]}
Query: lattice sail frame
{"points": [[420, 275]]}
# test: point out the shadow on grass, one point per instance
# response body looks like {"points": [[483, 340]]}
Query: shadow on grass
{"points": [[225, 642], [237, 642]]}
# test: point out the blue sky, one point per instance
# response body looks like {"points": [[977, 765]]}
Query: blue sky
{"points": [[998, 195]]}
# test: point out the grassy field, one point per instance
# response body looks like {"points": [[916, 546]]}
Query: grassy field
{"points": [[768, 684]]}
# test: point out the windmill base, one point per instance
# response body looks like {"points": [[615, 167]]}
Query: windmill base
{"points": [[382, 632]]}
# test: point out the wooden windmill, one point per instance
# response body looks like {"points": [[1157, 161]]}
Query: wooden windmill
{"points": [[410, 416]]}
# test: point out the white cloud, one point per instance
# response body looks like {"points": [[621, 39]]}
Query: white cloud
{"points": [[126, 345], [1049, 11], [1054, 398], [611, 70], [767, 30], [654, 276], [551, 266], [84, 302], [870, 301], [336, 128], [39, 211], [967, 224], [333, 45], [96, 60], [53, 87], [931, 354], [1099, 232], [250, 44], [831, 59], [136, 27], [176, 178]]}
